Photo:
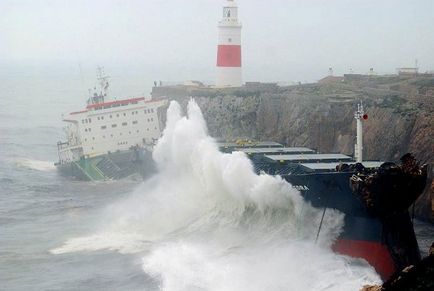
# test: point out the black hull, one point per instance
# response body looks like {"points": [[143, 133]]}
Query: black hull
{"points": [[387, 244]]}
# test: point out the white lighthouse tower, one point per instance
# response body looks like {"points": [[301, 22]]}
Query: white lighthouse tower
{"points": [[229, 48]]}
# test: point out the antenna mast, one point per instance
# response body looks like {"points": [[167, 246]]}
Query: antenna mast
{"points": [[360, 116], [103, 81], [103, 84]]}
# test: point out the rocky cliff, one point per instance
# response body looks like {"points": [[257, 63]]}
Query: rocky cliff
{"points": [[321, 116]]}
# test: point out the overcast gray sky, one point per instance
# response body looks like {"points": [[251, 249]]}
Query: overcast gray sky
{"points": [[282, 40]]}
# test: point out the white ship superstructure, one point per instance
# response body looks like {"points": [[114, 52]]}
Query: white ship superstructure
{"points": [[98, 136], [107, 127]]}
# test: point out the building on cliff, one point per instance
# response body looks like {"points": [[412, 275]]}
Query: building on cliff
{"points": [[407, 71]]}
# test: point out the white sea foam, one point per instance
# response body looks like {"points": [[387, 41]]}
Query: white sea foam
{"points": [[206, 221], [38, 165]]}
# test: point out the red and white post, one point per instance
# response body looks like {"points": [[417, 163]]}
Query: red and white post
{"points": [[360, 116], [229, 48]]}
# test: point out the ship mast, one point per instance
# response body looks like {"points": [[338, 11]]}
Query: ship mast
{"points": [[99, 94], [360, 116]]}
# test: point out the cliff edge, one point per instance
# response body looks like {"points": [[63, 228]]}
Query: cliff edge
{"points": [[321, 116]]}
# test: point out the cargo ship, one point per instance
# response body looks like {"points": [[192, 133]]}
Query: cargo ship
{"points": [[110, 139], [114, 139], [374, 196]]}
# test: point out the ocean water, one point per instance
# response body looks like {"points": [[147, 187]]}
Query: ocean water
{"points": [[205, 221]]}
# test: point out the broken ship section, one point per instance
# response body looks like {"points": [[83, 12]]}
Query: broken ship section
{"points": [[110, 139], [380, 232]]}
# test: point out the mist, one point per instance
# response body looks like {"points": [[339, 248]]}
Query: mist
{"points": [[176, 40]]}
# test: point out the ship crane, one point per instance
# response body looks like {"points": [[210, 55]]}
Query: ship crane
{"points": [[360, 116]]}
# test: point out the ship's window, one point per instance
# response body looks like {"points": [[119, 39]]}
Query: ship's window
{"points": [[85, 139], [82, 121], [111, 135], [98, 118], [90, 120], [107, 107], [229, 39], [114, 125], [155, 127], [125, 114], [144, 111], [147, 129], [124, 123], [103, 127], [152, 119], [117, 115], [93, 138], [111, 116], [134, 102], [152, 110], [92, 147], [135, 122], [132, 113], [85, 129], [89, 129], [137, 131], [102, 117], [120, 133], [103, 136]]}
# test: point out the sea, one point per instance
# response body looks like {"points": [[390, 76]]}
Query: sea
{"points": [[204, 221]]}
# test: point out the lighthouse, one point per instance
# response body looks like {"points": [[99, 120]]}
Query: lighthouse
{"points": [[229, 48]]}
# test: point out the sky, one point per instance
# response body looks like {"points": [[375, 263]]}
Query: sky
{"points": [[282, 40]]}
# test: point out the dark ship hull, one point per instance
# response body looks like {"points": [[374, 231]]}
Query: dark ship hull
{"points": [[376, 228], [387, 244]]}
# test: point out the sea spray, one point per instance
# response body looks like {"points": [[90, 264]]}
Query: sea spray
{"points": [[37, 165], [206, 221]]}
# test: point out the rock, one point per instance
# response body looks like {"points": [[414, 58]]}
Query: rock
{"points": [[371, 288], [413, 278], [419, 277]]}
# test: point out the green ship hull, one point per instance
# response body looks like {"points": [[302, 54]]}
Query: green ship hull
{"points": [[112, 166]]}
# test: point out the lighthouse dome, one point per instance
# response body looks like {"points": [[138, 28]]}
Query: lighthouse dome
{"points": [[231, 3]]}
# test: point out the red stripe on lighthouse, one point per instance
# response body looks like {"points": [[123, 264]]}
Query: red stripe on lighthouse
{"points": [[229, 56]]}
